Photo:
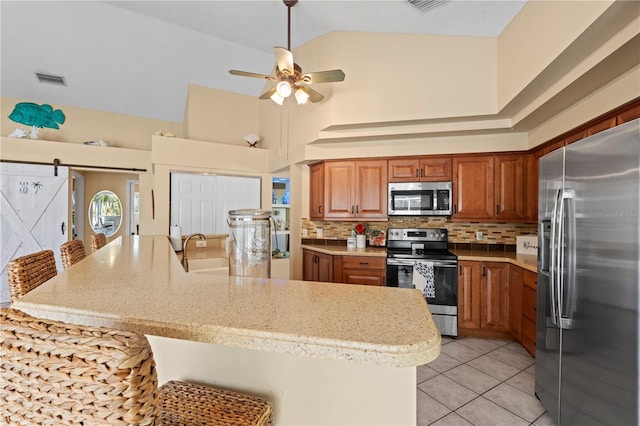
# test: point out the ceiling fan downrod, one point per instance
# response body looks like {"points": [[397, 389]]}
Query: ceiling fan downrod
{"points": [[289, 4]]}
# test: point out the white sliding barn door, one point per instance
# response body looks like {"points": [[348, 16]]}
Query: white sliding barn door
{"points": [[200, 203], [34, 207]]}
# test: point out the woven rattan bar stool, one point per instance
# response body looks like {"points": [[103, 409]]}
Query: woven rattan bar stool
{"points": [[54, 373], [72, 252], [98, 241], [29, 271]]}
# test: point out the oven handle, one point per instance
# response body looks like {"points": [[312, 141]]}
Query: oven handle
{"points": [[410, 262]]}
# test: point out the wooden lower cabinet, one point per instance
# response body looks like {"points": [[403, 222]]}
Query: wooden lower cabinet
{"points": [[529, 311], [317, 266], [483, 298], [365, 270]]}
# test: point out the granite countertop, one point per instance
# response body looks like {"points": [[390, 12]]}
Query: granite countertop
{"points": [[138, 283], [526, 261]]}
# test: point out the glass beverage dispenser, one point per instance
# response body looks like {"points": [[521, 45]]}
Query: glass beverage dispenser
{"points": [[250, 243]]}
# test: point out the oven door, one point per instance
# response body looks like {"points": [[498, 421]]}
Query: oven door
{"points": [[400, 274]]}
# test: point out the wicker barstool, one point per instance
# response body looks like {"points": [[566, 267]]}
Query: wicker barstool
{"points": [[98, 241], [29, 271], [56, 373], [72, 252]]}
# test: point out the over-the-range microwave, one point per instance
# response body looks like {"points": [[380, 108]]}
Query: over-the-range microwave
{"points": [[420, 199]]}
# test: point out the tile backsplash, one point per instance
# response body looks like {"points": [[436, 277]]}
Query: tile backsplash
{"points": [[459, 232]]}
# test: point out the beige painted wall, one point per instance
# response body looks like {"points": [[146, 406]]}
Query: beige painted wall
{"points": [[219, 116], [83, 125]]}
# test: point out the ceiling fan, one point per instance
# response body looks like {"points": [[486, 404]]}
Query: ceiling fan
{"points": [[289, 75]]}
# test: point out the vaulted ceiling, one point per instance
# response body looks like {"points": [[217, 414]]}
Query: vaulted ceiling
{"points": [[138, 57]]}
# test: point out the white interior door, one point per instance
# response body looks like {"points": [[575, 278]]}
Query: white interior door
{"points": [[201, 203], [234, 193], [34, 206]]}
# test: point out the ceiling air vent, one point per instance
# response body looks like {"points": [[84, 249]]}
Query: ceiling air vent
{"points": [[424, 5], [51, 79]]}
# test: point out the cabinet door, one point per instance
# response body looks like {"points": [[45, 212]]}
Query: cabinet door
{"points": [[468, 294], [309, 269], [515, 301], [494, 296], [509, 189], [316, 192], [371, 189], [531, 188], [404, 170], [435, 169], [473, 188], [325, 267], [339, 199]]}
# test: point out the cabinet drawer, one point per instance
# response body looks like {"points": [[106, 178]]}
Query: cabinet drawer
{"points": [[529, 336], [364, 262]]}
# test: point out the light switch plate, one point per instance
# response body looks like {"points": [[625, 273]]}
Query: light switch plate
{"points": [[319, 232], [479, 235], [201, 243]]}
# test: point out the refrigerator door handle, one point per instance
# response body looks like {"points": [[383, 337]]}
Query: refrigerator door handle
{"points": [[568, 304], [553, 258]]}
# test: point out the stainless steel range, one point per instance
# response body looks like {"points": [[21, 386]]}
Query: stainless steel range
{"points": [[419, 258]]}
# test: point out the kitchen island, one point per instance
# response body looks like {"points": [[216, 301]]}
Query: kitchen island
{"points": [[323, 354]]}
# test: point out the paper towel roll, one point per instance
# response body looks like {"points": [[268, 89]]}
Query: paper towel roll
{"points": [[175, 235]]}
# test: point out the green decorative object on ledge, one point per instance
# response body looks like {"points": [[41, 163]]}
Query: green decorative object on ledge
{"points": [[37, 115]]}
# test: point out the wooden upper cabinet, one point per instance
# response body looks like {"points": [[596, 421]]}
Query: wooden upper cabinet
{"points": [[473, 187], [371, 189], [531, 188], [509, 187], [316, 193], [602, 125], [437, 169], [630, 114], [355, 189]]}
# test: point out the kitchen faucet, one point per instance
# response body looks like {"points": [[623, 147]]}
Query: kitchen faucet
{"points": [[185, 262]]}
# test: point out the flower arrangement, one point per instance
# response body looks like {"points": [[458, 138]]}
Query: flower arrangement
{"points": [[360, 229]]}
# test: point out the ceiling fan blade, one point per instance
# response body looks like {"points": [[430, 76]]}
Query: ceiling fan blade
{"points": [[323, 76], [267, 94], [313, 95], [251, 74], [284, 59]]}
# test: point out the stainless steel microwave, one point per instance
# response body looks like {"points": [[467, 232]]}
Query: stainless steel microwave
{"points": [[420, 199]]}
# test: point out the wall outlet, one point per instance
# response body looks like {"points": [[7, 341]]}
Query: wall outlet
{"points": [[319, 232], [305, 233], [201, 243], [479, 235]]}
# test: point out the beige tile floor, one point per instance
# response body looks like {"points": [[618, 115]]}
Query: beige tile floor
{"points": [[478, 381]]}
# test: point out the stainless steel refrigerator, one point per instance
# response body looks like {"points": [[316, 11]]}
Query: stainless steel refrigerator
{"points": [[587, 316]]}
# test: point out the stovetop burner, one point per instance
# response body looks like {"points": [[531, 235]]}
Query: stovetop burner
{"points": [[418, 243]]}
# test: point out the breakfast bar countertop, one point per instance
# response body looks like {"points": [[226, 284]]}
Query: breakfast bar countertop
{"points": [[138, 283]]}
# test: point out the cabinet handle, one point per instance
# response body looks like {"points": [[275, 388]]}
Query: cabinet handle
{"points": [[320, 209], [460, 270], [455, 208], [421, 172], [484, 270], [364, 263], [497, 209], [357, 209], [351, 209]]}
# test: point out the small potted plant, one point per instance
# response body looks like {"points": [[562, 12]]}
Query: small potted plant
{"points": [[361, 237]]}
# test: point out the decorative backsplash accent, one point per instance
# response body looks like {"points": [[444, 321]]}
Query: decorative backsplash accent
{"points": [[459, 232]]}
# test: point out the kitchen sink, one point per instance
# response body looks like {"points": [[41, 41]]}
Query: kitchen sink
{"points": [[211, 265]]}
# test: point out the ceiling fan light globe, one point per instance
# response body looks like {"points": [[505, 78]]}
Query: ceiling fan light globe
{"points": [[284, 89], [301, 96], [277, 98]]}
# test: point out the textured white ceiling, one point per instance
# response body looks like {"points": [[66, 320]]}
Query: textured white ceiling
{"points": [[137, 57]]}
